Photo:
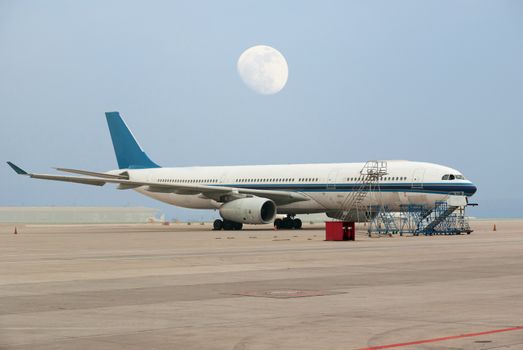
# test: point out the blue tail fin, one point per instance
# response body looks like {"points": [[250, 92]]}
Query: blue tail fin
{"points": [[129, 154]]}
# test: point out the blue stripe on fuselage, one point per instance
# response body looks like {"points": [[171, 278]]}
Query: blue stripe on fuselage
{"points": [[439, 188]]}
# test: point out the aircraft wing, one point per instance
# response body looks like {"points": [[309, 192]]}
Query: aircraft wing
{"points": [[218, 193], [92, 173]]}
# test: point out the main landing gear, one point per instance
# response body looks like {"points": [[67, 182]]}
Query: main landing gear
{"points": [[226, 225], [288, 223]]}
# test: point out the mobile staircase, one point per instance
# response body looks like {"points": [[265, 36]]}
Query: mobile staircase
{"points": [[353, 207], [439, 220], [383, 223], [445, 218]]}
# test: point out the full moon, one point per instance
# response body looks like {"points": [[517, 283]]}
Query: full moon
{"points": [[263, 69]]}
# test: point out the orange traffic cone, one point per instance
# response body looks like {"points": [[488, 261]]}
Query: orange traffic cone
{"points": [[494, 228], [16, 232]]}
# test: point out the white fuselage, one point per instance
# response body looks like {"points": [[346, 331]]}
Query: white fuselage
{"points": [[327, 185]]}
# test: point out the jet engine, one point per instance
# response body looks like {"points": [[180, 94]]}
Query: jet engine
{"points": [[251, 210]]}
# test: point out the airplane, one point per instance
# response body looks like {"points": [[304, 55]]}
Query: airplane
{"points": [[256, 194]]}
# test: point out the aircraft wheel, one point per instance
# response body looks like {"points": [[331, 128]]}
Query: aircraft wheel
{"points": [[217, 225], [296, 223], [288, 223], [228, 225], [238, 226], [278, 224]]}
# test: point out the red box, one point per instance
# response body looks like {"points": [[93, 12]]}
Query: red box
{"points": [[340, 231]]}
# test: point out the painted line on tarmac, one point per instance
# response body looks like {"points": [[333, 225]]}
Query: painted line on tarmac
{"points": [[466, 335]]}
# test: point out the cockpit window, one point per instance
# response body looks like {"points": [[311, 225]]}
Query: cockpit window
{"points": [[453, 177]]}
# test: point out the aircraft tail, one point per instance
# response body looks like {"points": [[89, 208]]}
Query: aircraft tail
{"points": [[128, 152]]}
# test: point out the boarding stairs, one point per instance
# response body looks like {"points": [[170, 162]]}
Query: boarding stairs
{"points": [[439, 216], [383, 222], [352, 208], [443, 219]]}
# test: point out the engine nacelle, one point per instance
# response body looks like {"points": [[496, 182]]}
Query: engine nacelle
{"points": [[252, 210]]}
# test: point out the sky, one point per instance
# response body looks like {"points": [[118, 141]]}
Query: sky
{"points": [[436, 81]]}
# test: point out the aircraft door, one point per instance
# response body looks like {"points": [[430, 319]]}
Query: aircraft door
{"points": [[417, 178], [332, 178]]}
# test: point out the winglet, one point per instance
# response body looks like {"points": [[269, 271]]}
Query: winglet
{"points": [[18, 170]]}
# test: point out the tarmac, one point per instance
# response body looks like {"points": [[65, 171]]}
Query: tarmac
{"points": [[187, 287]]}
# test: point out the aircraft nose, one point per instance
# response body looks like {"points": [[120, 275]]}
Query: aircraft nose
{"points": [[471, 189]]}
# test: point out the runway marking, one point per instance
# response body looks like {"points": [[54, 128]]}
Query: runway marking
{"points": [[466, 335]]}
